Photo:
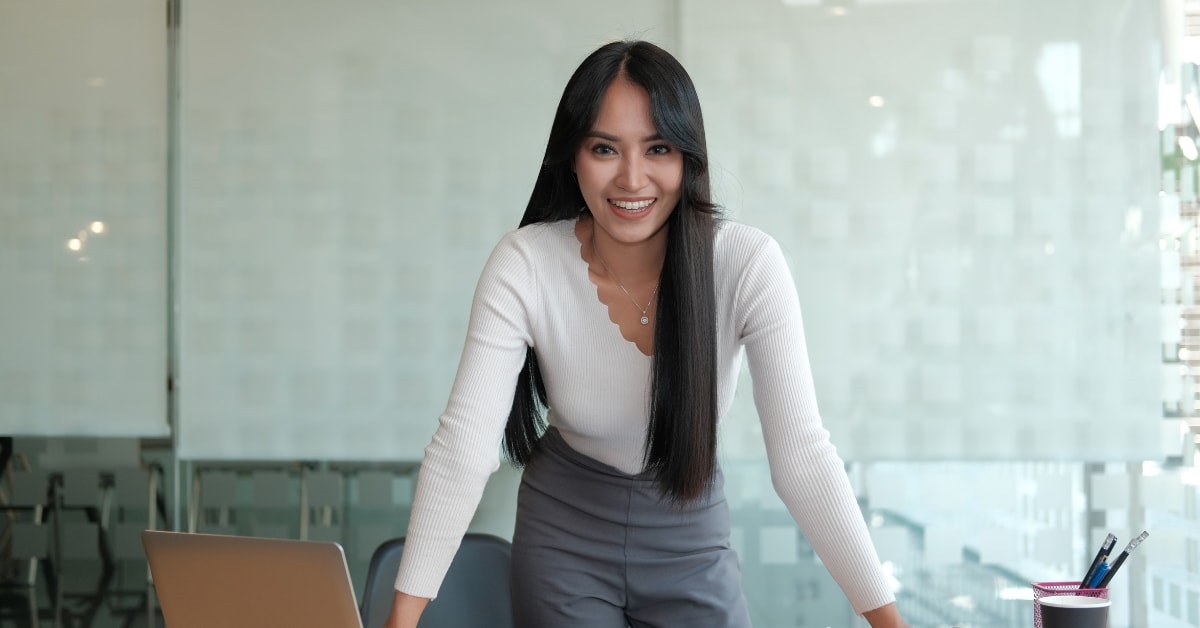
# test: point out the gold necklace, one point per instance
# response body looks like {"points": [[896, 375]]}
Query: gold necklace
{"points": [[645, 320]]}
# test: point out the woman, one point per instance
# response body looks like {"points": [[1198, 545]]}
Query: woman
{"points": [[624, 307]]}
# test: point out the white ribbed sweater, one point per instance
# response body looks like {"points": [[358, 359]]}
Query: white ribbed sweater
{"points": [[535, 291]]}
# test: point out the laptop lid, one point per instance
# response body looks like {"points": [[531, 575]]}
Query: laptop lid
{"points": [[207, 580]]}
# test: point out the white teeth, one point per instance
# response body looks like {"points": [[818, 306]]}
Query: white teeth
{"points": [[633, 206]]}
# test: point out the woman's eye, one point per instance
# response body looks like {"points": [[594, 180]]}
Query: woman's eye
{"points": [[603, 149], [660, 149]]}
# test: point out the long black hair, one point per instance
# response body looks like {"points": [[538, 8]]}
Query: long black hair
{"points": [[681, 443]]}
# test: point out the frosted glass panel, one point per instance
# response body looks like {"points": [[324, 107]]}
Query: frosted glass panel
{"points": [[83, 246], [968, 193], [347, 170]]}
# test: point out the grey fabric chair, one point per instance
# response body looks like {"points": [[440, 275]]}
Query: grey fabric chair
{"points": [[475, 593]]}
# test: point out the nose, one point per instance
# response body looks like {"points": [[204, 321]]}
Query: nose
{"points": [[632, 174]]}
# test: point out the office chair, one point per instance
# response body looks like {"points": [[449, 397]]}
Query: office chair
{"points": [[475, 593]]}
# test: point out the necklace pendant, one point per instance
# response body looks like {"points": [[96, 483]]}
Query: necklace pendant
{"points": [[645, 320]]}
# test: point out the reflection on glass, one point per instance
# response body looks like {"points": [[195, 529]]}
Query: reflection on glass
{"points": [[1058, 73], [965, 602], [1193, 107], [1169, 94], [1015, 593], [1188, 146], [1190, 475]]}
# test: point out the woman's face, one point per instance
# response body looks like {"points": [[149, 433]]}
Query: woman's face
{"points": [[629, 176]]}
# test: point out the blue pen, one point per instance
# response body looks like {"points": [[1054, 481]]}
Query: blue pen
{"points": [[1100, 572]]}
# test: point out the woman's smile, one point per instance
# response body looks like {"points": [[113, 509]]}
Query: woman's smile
{"points": [[635, 208]]}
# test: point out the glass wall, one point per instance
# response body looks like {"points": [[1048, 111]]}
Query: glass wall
{"points": [[987, 207]]}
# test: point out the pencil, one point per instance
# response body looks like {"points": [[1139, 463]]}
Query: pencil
{"points": [[1121, 558]]}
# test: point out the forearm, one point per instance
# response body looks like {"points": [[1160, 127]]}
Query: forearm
{"points": [[406, 610]]}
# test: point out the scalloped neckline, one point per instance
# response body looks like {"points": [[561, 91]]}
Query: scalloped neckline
{"points": [[611, 296]]}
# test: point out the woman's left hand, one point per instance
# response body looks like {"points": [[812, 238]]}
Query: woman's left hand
{"points": [[887, 616]]}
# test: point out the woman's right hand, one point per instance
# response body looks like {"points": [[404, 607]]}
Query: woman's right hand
{"points": [[406, 610]]}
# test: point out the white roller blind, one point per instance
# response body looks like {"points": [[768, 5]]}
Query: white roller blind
{"points": [[83, 245]]}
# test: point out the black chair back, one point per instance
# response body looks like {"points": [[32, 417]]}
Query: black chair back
{"points": [[475, 593]]}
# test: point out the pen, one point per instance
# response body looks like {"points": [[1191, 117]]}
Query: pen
{"points": [[1106, 548], [1101, 571], [1121, 558]]}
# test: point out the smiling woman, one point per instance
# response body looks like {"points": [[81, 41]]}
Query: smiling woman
{"points": [[624, 307]]}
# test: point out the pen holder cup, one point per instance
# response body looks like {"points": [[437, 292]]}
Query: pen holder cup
{"points": [[1043, 589]]}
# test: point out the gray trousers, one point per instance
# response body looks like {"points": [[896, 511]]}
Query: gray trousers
{"points": [[597, 548]]}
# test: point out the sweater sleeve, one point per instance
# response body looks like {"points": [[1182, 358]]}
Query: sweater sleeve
{"points": [[806, 470], [466, 446]]}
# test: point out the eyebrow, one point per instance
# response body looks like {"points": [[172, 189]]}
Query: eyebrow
{"points": [[612, 138]]}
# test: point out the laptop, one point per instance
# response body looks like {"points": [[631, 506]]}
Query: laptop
{"points": [[208, 580]]}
